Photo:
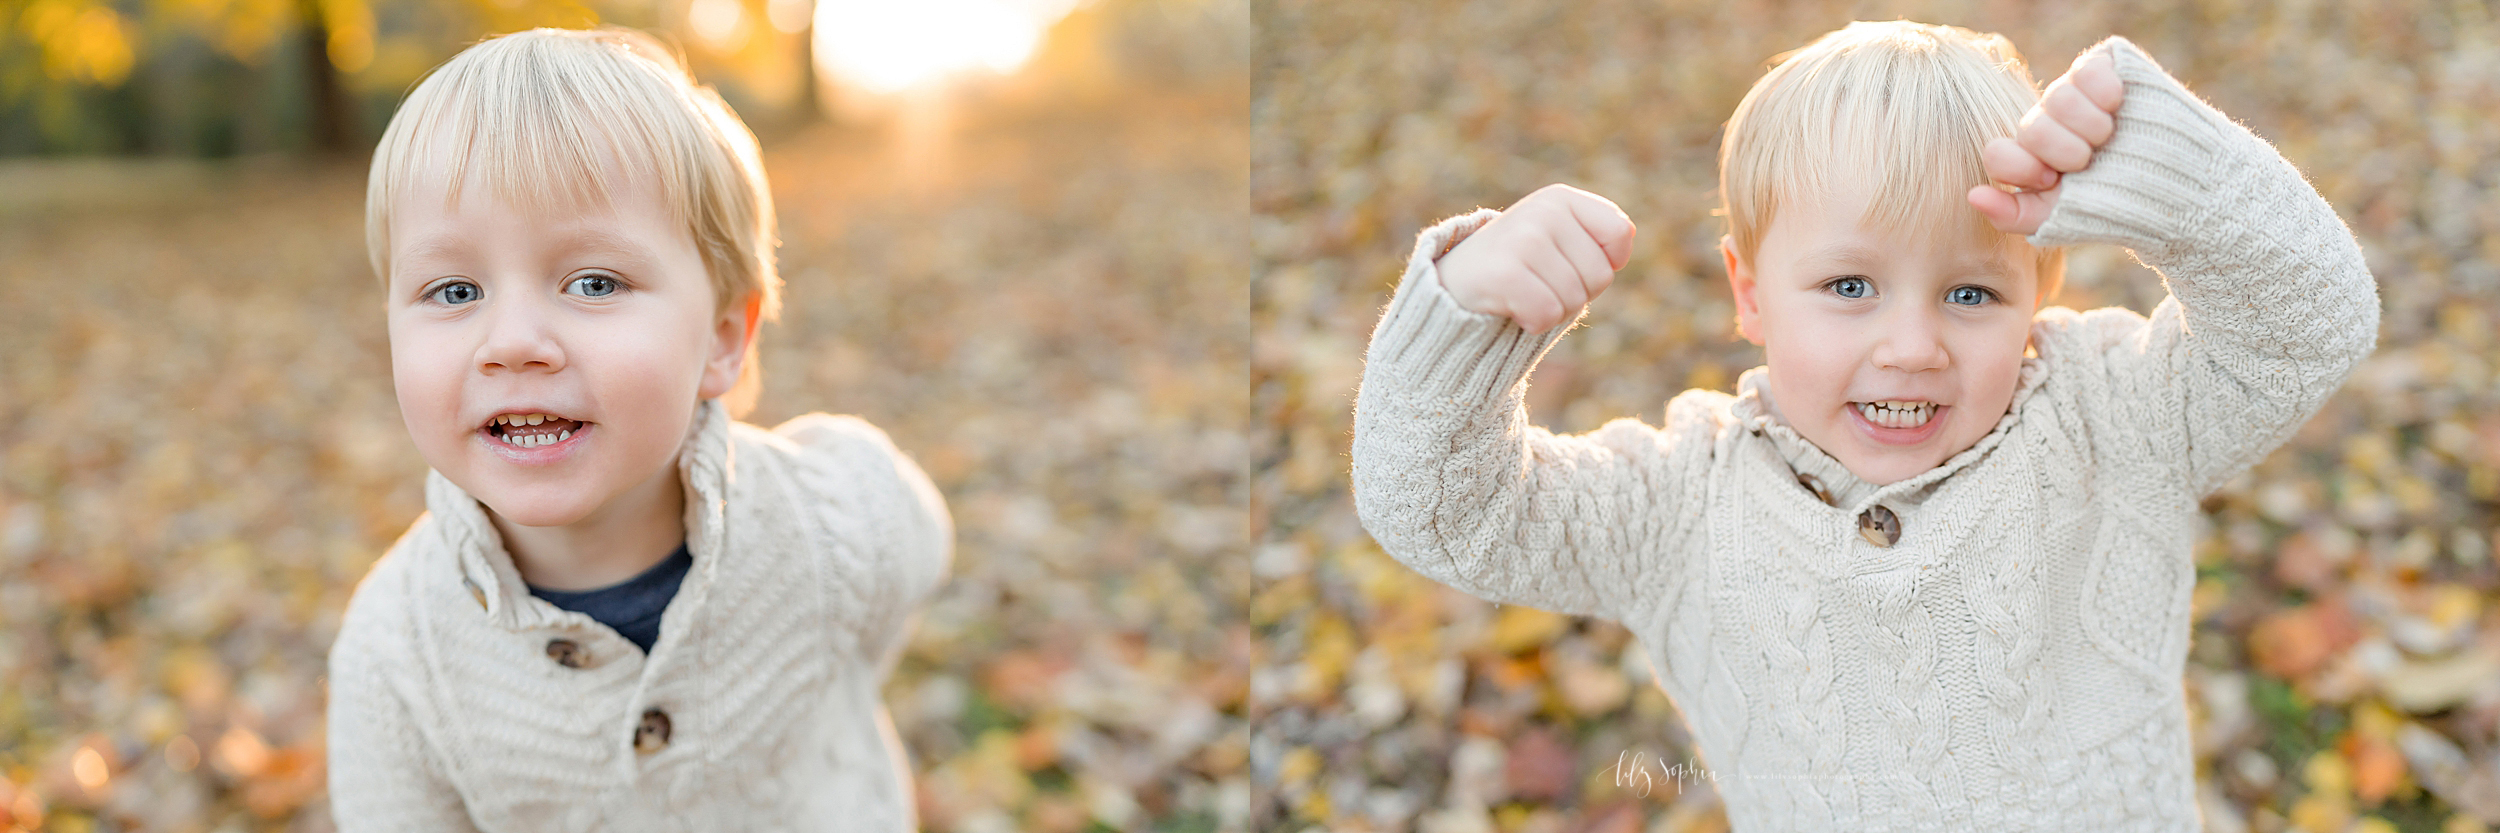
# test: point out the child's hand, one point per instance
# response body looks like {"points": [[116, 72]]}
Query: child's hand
{"points": [[1543, 259], [2073, 119]]}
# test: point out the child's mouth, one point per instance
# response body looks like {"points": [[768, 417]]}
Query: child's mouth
{"points": [[532, 430], [1893, 413]]}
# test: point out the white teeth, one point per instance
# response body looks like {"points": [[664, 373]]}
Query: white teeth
{"points": [[536, 440], [1897, 414], [523, 419], [531, 440]]}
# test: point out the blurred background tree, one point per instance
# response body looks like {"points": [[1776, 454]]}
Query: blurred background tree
{"points": [[216, 78], [220, 78]]}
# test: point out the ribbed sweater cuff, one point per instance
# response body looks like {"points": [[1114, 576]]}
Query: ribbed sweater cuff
{"points": [[1430, 346], [2152, 185]]}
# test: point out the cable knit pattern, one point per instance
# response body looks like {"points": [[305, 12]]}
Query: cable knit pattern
{"points": [[2014, 661], [812, 543]]}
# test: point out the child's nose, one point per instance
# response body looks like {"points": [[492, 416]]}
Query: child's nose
{"points": [[1912, 341], [518, 338]]}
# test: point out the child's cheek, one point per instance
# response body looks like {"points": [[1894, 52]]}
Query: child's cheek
{"points": [[425, 380]]}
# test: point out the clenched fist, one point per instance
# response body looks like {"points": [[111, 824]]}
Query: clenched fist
{"points": [[1542, 260], [2074, 118]]}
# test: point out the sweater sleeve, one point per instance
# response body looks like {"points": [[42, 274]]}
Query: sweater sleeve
{"points": [[887, 504], [2271, 305], [1452, 479], [382, 776]]}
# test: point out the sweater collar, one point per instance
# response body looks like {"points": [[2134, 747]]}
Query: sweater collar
{"points": [[486, 568], [1755, 410]]}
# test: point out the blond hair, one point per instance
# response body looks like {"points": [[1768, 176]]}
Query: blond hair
{"points": [[1910, 104], [560, 118]]}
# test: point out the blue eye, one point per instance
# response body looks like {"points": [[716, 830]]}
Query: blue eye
{"points": [[1969, 296], [594, 286], [1851, 287], [456, 293]]}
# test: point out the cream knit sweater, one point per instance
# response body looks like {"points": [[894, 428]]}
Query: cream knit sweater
{"points": [[758, 709], [2014, 661]]}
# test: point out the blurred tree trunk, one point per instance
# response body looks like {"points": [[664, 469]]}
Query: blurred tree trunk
{"points": [[333, 128], [811, 104]]}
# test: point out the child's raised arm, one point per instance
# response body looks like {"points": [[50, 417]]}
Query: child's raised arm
{"points": [[1450, 476], [2271, 304]]}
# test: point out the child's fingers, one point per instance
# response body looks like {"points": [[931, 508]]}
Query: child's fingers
{"points": [[1597, 217], [2013, 213], [1542, 260], [2077, 113], [2006, 161], [1996, 205], [2095, 74], [1589, 263], [2052, 143], [1605, 223], [1560, 276], [1533, 305]]}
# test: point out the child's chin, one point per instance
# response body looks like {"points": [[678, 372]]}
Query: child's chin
{"points": [[1885, 469], [535, 507]]}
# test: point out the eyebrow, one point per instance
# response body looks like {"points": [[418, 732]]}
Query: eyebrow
{"points": [[1844, 253], [591, 241], [1859, 256], [437, 247], [595, 241]]}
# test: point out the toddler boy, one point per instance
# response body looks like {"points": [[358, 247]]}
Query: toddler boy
{"points": [[623, 609], [1929, 567]]}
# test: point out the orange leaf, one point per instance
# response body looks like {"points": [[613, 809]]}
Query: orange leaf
{"points": [[2377, 768]]}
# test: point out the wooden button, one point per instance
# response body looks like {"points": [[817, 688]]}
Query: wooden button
{"points": [[1879, 526], [568, 653], [1816, 486], [652, 735], [474, 592]]}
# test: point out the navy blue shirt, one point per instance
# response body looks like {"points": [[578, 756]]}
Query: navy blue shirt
{"points": [[633, 606]]}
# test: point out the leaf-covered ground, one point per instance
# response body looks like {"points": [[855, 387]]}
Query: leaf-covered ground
{"points": [[2345, 672], [1040, 298]]}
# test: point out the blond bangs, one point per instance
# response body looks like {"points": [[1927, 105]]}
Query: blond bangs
{"points": [[561, 120], [1902, 109]]}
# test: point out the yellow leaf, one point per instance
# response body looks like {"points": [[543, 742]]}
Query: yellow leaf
{"points": [[2327, 772], [1518, 629], [1298, 767], [1326, 652], [2321, 813]]}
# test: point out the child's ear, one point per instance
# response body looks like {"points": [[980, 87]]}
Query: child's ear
{"points": [[732, 334], [1741, 284]]}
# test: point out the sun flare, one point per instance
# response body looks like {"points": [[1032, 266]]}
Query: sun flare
{"points": [[888, 46]]}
